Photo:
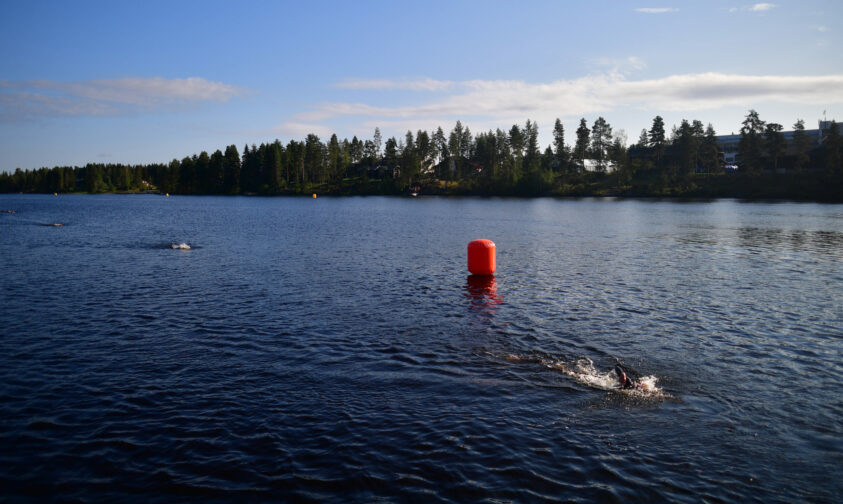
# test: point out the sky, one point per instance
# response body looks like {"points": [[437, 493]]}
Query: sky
{"points": [[148, 82]]}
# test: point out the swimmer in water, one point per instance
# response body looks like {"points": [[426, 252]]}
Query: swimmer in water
{"points": [[625, 381]]}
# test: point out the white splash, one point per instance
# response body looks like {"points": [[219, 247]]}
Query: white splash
{"points": [[180, 246], [583, 371]]}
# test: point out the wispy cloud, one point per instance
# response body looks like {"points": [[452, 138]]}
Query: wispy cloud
{"points": [[385, 84], [656, 10], [621, 65], [823, 29], [45, 98], [761, 7], [498, 101]]}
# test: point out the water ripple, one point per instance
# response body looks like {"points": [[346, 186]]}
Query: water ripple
{"points": [[343, 355]]}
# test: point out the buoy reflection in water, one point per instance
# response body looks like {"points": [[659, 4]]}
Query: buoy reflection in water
{"points": [[482, 290]]}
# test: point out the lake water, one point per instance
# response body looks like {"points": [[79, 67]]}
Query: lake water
{"points": [[336, 350]]}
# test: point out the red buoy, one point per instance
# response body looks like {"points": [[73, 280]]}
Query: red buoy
{"points": [[481, 257]]}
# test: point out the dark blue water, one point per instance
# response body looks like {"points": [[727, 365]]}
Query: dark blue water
{"points": [[336, 350]]}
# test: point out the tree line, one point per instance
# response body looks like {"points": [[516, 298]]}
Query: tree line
{"points": [[502, 162]]}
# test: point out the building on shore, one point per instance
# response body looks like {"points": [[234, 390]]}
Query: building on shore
{"points": [[728, 144]]}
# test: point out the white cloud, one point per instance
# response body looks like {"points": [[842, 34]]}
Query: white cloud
{"points": [[656, 10], [495, 102], [44, 98], [761, 7], [621, 66], [823, 29], [384, 84]]}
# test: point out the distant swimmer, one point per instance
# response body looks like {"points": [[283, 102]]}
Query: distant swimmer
{"points": [[626, 382]]}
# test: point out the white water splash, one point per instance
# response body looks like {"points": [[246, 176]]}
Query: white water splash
{"points": [[180, 246], [583, 371]]}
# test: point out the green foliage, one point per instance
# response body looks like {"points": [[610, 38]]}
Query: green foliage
{"points": [[601, 139], [560, 151], [775, 143], [709, 152], [802, 144], [751, 143], [581, 147], [502, 162]]}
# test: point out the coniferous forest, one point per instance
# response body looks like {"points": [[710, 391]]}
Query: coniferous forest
{"points": [[592, 161]]}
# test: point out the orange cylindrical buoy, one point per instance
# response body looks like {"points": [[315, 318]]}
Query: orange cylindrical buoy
{"points": [[481, 257], [314, 195]]}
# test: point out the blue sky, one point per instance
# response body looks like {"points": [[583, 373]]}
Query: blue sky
{"points": [[144, 82]]}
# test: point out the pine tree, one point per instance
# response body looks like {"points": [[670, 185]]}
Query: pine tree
{"points": [[466, 143], [172, 184], [685, 147], [532, 155], [409, 158], [455, 140], [601, 138], [356, 150], [440, 146], [801, 144], [516, 146], [560, 152], [216, 173], [390, 152], [202, 170], [581, 147], [750, 145], [334, 158], [377, 142], [775, 142], [423, 149], [274, 160], [710, 152], [93, 178], [618, 155], [313, 160], [642, 139], [656, 139], [187, 176], [232, 170]]}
